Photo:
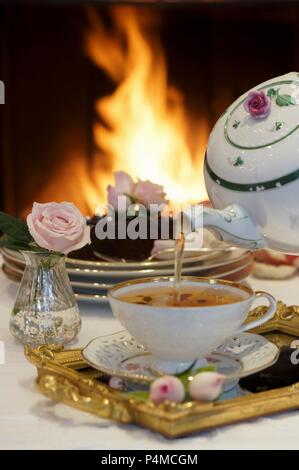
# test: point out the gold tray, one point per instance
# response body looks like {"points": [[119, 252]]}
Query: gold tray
{"points": [[64, 376]]}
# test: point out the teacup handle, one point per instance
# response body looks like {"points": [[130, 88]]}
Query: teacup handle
{"points": [[267, 315]]}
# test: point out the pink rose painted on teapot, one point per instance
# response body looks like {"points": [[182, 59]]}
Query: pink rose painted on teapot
{"points": [[257, 104]]}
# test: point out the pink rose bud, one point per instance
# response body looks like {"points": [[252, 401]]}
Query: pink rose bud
{"points": [[124, 186], [147, 193], [206, 386], [142, 192], [58, 227], [117, 383], [113, 198], [167, 388], [257, 104]]}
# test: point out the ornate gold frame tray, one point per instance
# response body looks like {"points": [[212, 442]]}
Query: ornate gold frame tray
{"points": [[64, 376]]}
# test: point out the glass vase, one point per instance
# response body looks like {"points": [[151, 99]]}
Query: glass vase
{"points": [[45, 310]]}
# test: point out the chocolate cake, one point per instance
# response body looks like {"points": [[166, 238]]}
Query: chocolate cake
{"points": [[130, 250]]}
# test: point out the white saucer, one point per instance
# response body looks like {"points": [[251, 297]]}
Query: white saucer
{"points": [[120, 355]]}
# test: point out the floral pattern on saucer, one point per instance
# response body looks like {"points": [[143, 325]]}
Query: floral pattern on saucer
{"points": [[120, 355]]}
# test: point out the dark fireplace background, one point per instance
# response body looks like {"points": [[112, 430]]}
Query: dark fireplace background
{"points": [[214, 53]]}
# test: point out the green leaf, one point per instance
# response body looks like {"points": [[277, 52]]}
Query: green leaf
{"points": [[14, 228], [272, 92], [285, 100], [184, 377], [238, 162], [17, 245], [278, 125], [139, 394]]}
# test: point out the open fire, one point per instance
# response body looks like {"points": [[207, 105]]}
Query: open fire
{"points": [[142, 127]]}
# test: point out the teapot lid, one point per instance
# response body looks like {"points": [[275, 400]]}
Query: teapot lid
{"points": [[255, 143], [266, 115]]}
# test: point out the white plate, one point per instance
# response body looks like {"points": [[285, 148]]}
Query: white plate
{"points": [[100, 296], [89, 278], [92, 287], [115, 275], [121, 355], [92, 298], [206, 253], [233, 255], [117, 266], [190, 257]]}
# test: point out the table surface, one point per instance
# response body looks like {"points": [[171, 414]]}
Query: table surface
{"points": [[30, 421]]}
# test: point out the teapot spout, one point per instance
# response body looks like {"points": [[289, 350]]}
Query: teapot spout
{"points": [[232, 224]]}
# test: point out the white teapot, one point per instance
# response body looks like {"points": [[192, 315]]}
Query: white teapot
{"points": [[252, 168]]}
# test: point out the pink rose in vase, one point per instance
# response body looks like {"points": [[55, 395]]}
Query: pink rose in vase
{"points": [[257, 104], [58, 227]]}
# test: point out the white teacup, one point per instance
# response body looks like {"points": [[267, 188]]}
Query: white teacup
{"points": [[182, 334]]}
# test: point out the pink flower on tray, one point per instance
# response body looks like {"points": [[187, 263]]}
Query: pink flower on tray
{"points": [[116, 383], [58, 227], [142, 192], [167, 388], [206, 386], [257, 104]]}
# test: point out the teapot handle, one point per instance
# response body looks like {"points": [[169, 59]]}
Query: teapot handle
{"points": [[232, 224]]}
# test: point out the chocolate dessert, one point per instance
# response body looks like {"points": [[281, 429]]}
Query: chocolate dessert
{"points": [[130, 250], [130, 193]]}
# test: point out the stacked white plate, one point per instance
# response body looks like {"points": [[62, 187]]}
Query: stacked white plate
{"points": [[91, 279]]}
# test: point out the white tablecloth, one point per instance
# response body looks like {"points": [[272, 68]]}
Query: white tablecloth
{"points": [[30, 421]]}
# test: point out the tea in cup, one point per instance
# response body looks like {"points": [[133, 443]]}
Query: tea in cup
{"points": [[208, 313]]}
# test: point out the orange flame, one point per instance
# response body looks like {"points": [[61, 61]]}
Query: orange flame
{"points": [[145, 130]]}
